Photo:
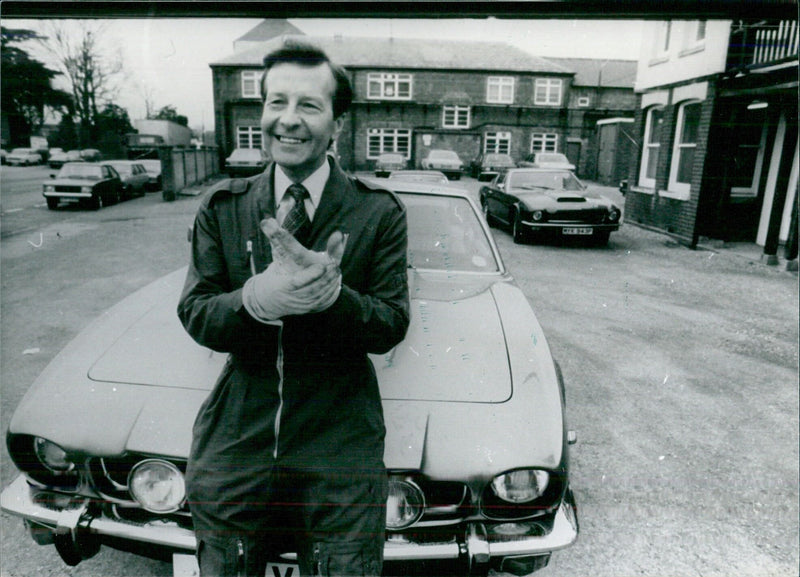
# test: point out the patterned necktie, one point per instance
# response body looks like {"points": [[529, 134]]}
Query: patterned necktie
{"points": [[296, 220]]}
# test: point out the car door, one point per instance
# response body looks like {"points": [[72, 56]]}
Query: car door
{"points": [[496, 199]]}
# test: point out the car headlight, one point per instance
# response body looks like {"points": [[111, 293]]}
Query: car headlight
{"points": [[613, 215], [86, 189], [404, 505], [52, 456], [49, 188], [520, 486], [537, 215], [157, 485]]}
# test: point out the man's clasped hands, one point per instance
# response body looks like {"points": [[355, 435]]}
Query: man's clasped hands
{"points": [[298, 281]]}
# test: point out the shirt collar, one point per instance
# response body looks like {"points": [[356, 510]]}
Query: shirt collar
{"points": [[315, 183]]}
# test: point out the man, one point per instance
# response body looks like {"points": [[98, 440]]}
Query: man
{"points": [[287, 451]]}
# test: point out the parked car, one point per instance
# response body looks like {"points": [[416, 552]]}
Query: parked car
{"points": [[386, 163], [246, 162], [446, 161], [537, 202], [547, 160], [23, 157], [92, 184], [91, 155], [59, 159], [476, 445], [433, 176], [487, 166], [153, 168], [133, 174]]}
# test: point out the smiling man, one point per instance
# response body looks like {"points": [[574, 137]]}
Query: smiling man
{"points": [[299, 273]]}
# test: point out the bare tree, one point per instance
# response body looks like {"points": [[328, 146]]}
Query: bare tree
{"points": [[90, 71]]}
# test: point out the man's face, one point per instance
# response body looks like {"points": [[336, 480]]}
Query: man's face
{"points": [[297, 121]]}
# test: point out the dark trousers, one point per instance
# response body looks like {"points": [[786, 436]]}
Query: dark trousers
{"points": [[333, 519]]}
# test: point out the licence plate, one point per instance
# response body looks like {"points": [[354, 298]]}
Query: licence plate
{"points": [[576, 230], [186, 566]]}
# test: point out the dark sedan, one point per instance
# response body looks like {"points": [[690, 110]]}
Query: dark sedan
{"points": [[487, 166], [92, 184], [537, 202]]}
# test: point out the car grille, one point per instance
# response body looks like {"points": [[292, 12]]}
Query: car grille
{"points": [[588, 216], [68, 188]]}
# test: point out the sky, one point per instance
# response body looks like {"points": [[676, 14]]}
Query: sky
{"points": [[167, 60]]}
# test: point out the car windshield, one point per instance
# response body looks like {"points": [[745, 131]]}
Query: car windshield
{"points": [[443, 155], [556, 180], [419, 176], [551, 157], [123, 169], [445, 234], [151, 165], [81, 171], [497, 159], [251, 154], [390, 158]]}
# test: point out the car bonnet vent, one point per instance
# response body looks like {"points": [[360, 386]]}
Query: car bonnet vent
{"points": [[570, 199]]}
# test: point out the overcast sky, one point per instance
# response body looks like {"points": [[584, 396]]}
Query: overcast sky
{"points": [[167, 59]]}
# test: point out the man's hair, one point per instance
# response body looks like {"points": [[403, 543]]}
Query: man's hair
{"points": [[303, 54]]}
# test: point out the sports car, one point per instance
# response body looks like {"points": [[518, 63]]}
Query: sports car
{"points": [[476, 447], [539, 202]]}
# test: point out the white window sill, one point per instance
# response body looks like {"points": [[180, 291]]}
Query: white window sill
{"points": [[643, 189], [658, 60], [674, 194], [692, 50]]}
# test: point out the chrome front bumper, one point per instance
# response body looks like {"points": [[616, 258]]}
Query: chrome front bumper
{"points": [[73, 522]]}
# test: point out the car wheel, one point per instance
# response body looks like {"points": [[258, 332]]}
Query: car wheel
{"points": [[52, 203], [601, 238], [96, 202], [517, 229]]}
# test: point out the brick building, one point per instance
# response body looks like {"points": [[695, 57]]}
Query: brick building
{"points": [[717, 122], [415, 95]]}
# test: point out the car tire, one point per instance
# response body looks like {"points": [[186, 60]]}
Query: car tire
{"points": [[517, 230], [601, 238], [52, 203]]}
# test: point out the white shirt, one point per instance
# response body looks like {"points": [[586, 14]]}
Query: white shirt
{"points": [[315, 184]]}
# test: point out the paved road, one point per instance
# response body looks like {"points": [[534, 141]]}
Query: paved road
{"points": [[680, 367]]}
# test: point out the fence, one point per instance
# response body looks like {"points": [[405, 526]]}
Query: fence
{"points": [[184, 167]]}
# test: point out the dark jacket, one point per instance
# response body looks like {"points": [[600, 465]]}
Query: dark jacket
{"points": [[304, 393]]}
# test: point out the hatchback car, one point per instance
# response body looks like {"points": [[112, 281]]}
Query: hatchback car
{"points": [[487, 166], [153, 168], [476, 443], [92, 184], [445, 161], [386, 163], [547, 160], [246, 162], [538, 202], [133, 174], [23, 157]]}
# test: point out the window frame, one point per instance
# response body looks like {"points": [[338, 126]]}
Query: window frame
{"points": [[251, 133], [648, 147], [457, 110], [549, 142], [395, 79], [553, 91], [680, 188], [247, 76], [500, 84], [501, 142], [386, 135]]}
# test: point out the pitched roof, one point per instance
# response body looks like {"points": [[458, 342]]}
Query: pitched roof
{"points": [[409, 54], [591, 71], [268, 29]]}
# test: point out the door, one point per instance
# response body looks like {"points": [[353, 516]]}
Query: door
{"points": [[607, 153]]}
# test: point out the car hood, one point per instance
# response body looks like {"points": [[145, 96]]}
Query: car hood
{"points": [[560, 197], [452, 369]]}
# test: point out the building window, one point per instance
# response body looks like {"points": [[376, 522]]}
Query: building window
{"points": [[389, 86], [547, 91], [455, 116], [653, 134], [661, 39], [583, 101], [383, 140], [497, 143], [544, 142], [250, 88], [248, 137], [500, 90], [686, 131]]}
